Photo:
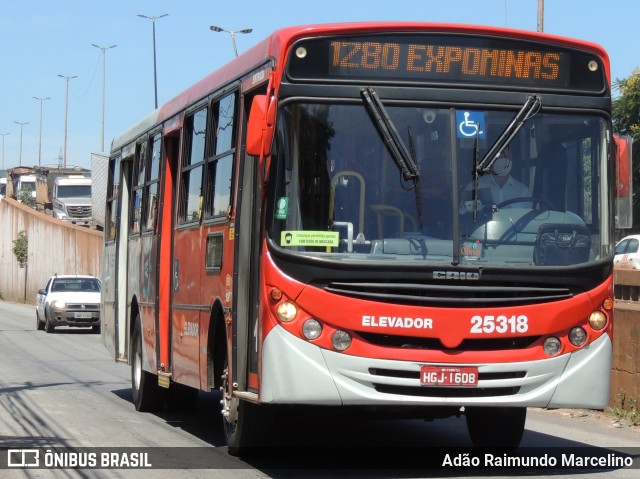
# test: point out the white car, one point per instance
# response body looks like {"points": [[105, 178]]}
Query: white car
{"points": [[628, 252], [69, 300]]}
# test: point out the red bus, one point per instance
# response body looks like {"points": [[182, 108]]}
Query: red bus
{"points": [[385, 216]]}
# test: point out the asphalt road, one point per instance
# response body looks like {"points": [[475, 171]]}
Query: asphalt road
{"points": [[62, 392]]}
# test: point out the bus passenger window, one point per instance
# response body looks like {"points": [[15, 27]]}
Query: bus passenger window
{"points": [[151, 186], [217, 196], [192, 165]]}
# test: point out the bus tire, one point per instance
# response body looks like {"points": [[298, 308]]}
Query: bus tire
{"points": [[147, 395], [245, 435], [496, 427]]}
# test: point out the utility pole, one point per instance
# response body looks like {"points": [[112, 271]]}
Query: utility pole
{"points": [[541, 16]]}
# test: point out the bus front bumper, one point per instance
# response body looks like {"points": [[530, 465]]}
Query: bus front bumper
{"points": [[297, 372]]}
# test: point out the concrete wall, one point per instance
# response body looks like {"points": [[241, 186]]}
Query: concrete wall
{"points": [[54, 247], [625, 372]]}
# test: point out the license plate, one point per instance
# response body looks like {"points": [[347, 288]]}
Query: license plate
{"points": [[82, 315], [448, 376]]}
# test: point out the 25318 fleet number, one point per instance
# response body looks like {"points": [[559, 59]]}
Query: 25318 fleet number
{"points": [[499, 324]]}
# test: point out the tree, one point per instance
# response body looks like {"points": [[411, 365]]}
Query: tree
{"points": [[21, 248], [626, 107], [626, 121]]}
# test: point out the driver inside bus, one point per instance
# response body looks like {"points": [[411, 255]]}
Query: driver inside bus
{"points": [[497, 186]]}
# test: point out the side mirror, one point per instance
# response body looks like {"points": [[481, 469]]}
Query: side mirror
{"points": [[42, 291], [623, 157], [260, 128], [623, 145]]}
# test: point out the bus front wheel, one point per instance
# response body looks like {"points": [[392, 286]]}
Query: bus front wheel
{"points": [[245, 424], [492, 427]]}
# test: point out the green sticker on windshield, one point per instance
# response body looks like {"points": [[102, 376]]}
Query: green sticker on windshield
{"points": [[282, 208], [309, 238]]}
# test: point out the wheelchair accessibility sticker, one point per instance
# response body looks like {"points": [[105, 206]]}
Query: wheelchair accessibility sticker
{"points": [[471, 124]]}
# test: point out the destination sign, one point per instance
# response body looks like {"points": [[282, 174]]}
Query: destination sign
{"points": [[456, 59], [353, 58]]}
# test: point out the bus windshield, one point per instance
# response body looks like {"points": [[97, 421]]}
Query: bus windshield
{"points": [[341, 194]]}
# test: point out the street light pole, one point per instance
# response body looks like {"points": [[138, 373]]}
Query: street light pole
{"points": [[155, 74], [232, 33], [41, 100], [21, 123], [104, 49], [66, 117]]}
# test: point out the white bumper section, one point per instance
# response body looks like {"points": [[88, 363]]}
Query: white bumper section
{"points": [[297, 372]]}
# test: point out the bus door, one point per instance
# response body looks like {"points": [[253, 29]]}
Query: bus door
{"points": [[248, 214], [108, 314], [122, 324], [167, 191]]}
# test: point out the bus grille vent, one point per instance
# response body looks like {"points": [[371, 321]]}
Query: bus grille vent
{"points": [[470, 294], [434, 344]]}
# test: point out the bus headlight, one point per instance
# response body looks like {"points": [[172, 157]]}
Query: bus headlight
{"points": [[287, 311], [341, 340], [598, 320], [577, 336], [311, 329], [552, 346]]}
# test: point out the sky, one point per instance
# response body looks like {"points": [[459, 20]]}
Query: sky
{"points": [[43, 41]]}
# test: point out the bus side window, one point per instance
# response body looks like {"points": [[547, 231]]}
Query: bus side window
{"points": [[217, 194], [140, 171], [151, 185], [189, 208]]}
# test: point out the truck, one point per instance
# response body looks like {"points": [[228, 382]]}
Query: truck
{"points": [[65, 193], [72, 199], [99, 173], [20, 179]]}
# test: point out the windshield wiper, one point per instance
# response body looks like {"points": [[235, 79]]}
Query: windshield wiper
{"points": [[390, 136], [528, 111]]}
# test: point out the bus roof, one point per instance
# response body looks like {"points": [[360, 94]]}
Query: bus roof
{"points": [[273, 47]]}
